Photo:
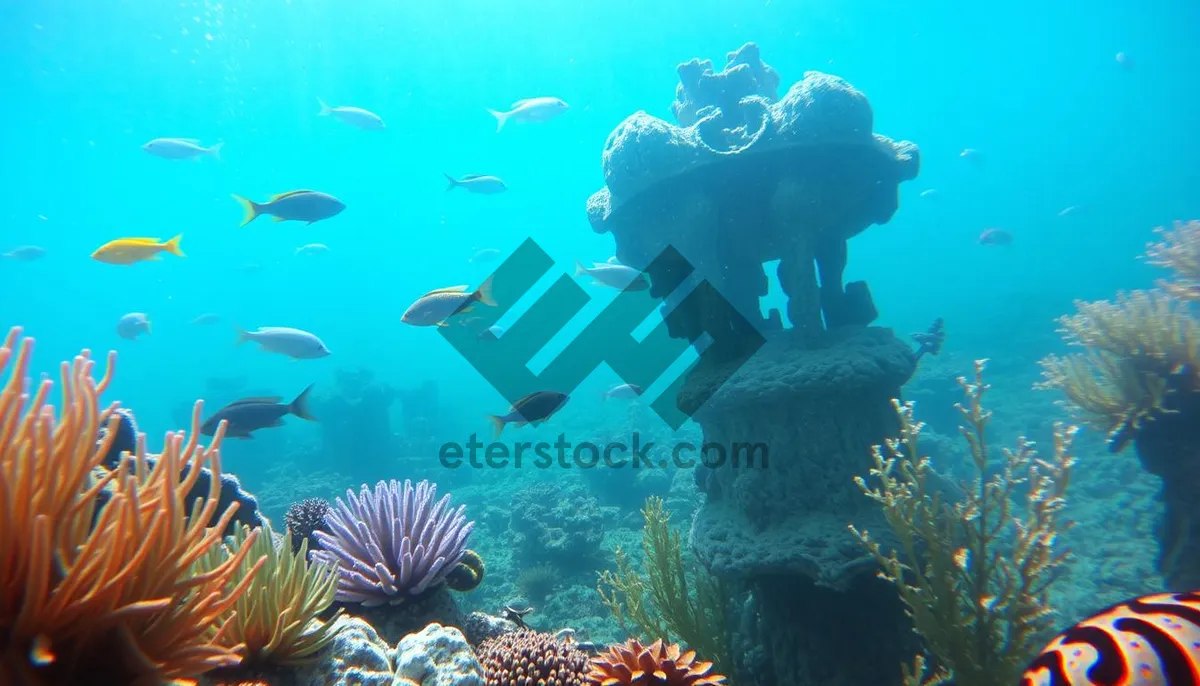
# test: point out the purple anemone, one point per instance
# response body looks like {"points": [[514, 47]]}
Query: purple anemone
{"points": [[393, 543]]}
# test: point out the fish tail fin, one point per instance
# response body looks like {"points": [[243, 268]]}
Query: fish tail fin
{"points": [[603, 395], [580, 270], [454, 183], [326, 110], [172, 246], [242, 335], [484, 293], [214, 151], [148, 327], [501, 117], [299, 406], [250, 209], [497, 424]]}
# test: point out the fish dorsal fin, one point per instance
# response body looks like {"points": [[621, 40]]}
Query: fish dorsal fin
{"points": [[468, 177], [448, 289], [520, 102], [260, 400], [278, 219], [193, 141], [288, 194], [154, 241]]}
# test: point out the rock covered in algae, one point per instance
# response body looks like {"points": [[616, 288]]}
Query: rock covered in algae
{"points": [[436, 656]]}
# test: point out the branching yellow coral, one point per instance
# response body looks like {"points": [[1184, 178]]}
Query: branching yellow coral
{"points": [[1179, 251], [675, 600], [974, 575], [102, 593], [274, 621], [1135, 346], [1149, 327]]}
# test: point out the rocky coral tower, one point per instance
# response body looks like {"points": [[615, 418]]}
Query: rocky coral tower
{"points": [[747, 179]]}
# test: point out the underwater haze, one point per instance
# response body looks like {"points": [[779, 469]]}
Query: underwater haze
{"points": [[1053, 139]]}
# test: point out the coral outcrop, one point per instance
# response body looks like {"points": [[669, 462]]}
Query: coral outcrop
{"points": [[560, 525], [746, 179], [355, 655], [436, 656]]}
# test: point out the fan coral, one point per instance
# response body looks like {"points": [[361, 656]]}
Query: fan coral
{"points": [[393, 543], [273, 621], [104, 593], [1179, 251], [528, 657], [305, 518], [656, 664], [975, 575]]}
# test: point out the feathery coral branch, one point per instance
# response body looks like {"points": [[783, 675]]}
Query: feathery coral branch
{"points": [[974, 575]]}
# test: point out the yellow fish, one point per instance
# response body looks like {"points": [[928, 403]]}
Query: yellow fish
{"points": [[132, 250]]}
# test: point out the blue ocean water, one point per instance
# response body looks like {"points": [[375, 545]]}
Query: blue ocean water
{"points": [[1034, 87]]}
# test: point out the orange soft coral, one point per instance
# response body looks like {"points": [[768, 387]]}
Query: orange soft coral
{"points": [[633, 664], [102, 593]]}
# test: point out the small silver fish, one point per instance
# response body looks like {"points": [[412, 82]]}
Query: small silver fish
{"points": [[25, 253], [295, 343], [206, 319], [182, 148], [437, 306], [354, 116], [484, 255], [132, 325], [614, 275], [624, 391], [530, 110], [477, 183], [312, 249]]}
